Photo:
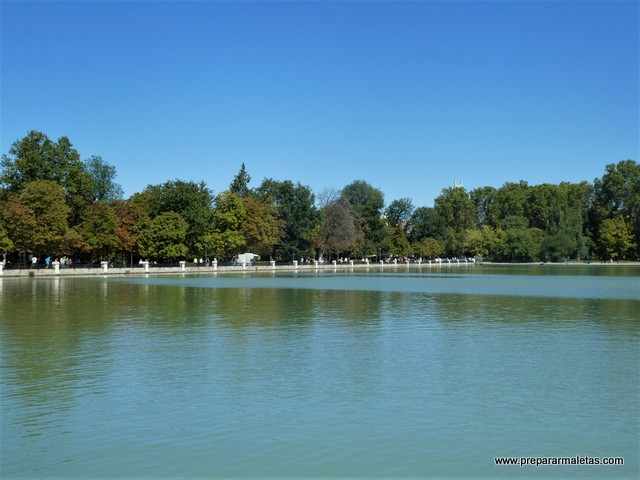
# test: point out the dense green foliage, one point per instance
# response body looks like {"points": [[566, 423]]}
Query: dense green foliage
{"points": [[192, 201], [226, 239], [52, 203], [36, 157], [36, 219], [366, 203], [165, 237], [298, 218], [99, 231], [105, 187], [338, 232], [240, 183]]}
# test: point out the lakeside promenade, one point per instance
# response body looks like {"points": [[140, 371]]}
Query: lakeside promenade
{"points": [[184, 268]]}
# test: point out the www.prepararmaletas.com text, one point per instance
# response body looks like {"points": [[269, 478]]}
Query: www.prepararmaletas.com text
{"points": [[542, 461]]}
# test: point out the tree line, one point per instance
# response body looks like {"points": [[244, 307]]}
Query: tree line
{"points": [[54, 203]]}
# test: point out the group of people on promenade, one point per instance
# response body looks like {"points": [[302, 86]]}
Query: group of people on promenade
{"points": [[200, 261], [64, 262]]}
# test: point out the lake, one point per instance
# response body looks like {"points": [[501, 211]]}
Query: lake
{"points": [[370, 373]]}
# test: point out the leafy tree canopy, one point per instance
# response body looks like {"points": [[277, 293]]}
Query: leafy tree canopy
{"points": [[426, 222], [6, 245], [226, 239], [36, 219], [164, 239], [616, 239], [99, 231], [510, 199], [456, 208], [483, 199], [299, 217], [399, 212], [618, 194], [515, 222], [240, 183], [366, 203], [36, 157], [429, 248], [260, 227], [192, 201], [132, 219], [338, 234], [105, 187]]}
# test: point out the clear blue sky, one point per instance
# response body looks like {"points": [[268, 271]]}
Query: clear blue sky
{"points": [[407, 96]]}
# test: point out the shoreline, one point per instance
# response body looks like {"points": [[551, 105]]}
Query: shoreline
{"points": [[140, 270]]}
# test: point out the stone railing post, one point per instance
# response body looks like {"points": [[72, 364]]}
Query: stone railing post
{"points": [[104, 266], [182, 265], [56, 267]]}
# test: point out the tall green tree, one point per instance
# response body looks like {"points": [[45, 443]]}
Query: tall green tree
{"points": [[545, 206], [132, 219], [519, 242], [509, 200], [240, 183], [396, 243], [366, 203], [338, 234], [6, 245], [20, 222], [429, 248], [164, 239], [481, 241], [617, 193], [616, 239], [36, 219], [558, 246], [192, 201], [227, 239], [260, 227], [456, 208], [426, 222], [483, 199], [298, 216], [576, 220], [459, 213], [99, 232], [35, 157], [547, 209], [105, 187], [399, 212]]}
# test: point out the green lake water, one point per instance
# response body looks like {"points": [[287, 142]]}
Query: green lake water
{"points": [[378, 373]]}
